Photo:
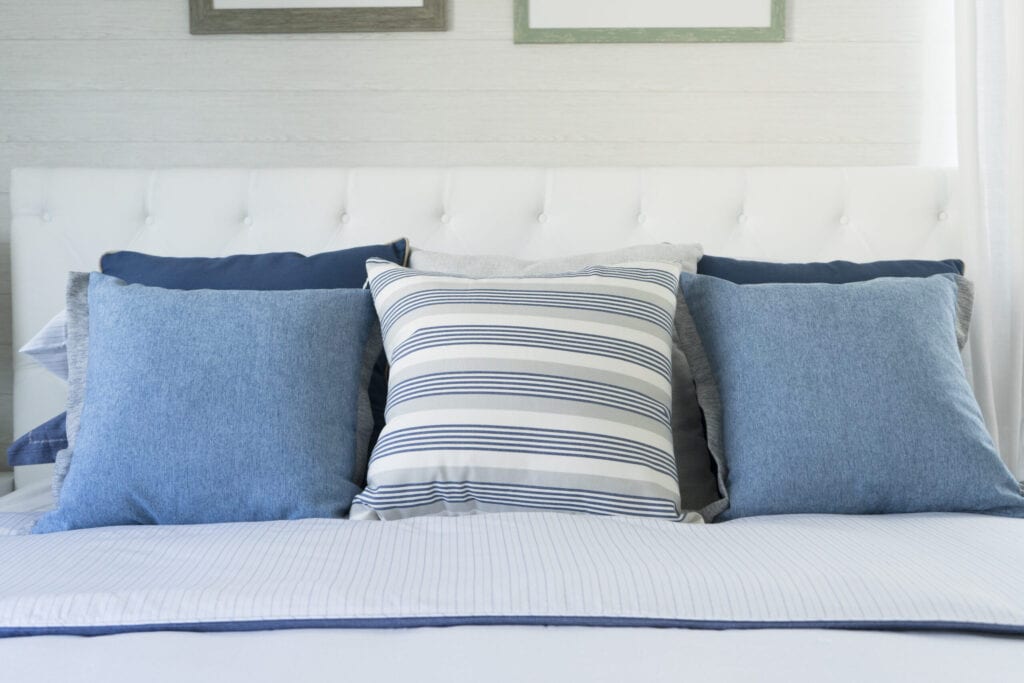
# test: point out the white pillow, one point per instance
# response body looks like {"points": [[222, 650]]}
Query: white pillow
{"points": [[49, 346]]}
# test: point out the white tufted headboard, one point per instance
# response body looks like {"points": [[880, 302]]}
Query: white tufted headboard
{"points": [[64, 219]]}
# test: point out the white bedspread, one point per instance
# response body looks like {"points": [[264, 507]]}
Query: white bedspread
{"points": [[959, 572]]}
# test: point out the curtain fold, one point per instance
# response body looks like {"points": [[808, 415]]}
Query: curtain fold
{"points": [[990, 143]]}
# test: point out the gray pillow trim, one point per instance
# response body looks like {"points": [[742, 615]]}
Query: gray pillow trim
{"points": [[364, 416], [708, 399], [964, 309], [77, 327], [61, 464], [690, 444]]}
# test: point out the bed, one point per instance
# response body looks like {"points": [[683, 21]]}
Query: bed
{"points": [[804, 597]]}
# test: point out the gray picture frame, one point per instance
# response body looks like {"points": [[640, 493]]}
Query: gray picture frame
{"points": [[205, 20], [754, 34]]}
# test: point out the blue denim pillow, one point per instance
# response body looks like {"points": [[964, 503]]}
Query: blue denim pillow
{"points": [[276, 271], [343, 269], [40, 446], [847, 398], [215, 406], [835, 272]]}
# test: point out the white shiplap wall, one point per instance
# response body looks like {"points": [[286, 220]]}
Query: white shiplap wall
{"points": [[121, 82]]}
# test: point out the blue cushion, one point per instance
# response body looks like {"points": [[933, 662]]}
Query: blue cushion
{"points": [[847, 398], [39, 446], [330, 270], [215, 406], [536, 393], [835, 272]]}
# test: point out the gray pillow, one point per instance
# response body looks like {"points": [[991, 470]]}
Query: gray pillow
{"points": [[701, 475]]}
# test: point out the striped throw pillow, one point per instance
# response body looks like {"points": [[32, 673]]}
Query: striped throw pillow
{"points": [[534, 393]]}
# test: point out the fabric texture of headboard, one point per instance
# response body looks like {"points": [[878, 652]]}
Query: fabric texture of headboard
{"points": [[64, 219]]}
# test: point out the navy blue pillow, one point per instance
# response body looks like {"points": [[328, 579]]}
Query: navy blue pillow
{"points": [[344, 269], [834, 272], [40, 446]]}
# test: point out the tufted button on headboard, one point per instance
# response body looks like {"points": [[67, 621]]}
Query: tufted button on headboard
{"points": [[64, 219]]}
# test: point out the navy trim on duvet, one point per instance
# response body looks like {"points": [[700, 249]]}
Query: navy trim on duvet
{"points": [[451, 622]]}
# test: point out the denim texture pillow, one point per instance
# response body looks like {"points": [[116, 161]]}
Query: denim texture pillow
{"points": [[341, 269], [700, 486], [744, 272], [275, 271], [846, 398], [41, 445], [534, 393], [216, 406]]}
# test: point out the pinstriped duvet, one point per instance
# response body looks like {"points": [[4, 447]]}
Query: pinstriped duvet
{"points": [[937, 571]]}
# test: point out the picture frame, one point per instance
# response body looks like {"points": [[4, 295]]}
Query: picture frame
{"points": [[291, 16], [525, 32]]}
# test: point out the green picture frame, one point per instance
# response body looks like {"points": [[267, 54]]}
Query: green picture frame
{"points": [[774, 33], [205, 19]]}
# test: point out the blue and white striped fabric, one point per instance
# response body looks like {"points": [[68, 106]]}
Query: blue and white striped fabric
{"points": [[49, 346], [550, 392], [925, 571]]}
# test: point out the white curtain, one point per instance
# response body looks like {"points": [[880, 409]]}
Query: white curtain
{"points": [[990, 134]]}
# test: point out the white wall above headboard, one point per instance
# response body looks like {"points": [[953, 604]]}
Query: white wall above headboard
{"points": [[64, 219]]}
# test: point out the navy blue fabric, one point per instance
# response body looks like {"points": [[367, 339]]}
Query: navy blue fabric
{"points": [[834, 272], [40, 446], [344, 269], [387, 623]]}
